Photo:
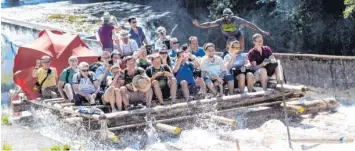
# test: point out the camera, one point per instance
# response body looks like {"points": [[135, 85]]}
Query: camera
{"points": [[149, 49], [167, 44], [110, 62]]}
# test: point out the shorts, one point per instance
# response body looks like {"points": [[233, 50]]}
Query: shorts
{"points": [[192, 90], [78, 99], [238, 35], [270, 69], [136, 96], [237, 72], [227, 78], [47, 92]]}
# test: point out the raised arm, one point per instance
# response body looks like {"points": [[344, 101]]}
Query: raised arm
{"points": [[252, 26], [206, 24]]}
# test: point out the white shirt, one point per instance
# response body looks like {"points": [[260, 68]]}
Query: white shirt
{"points": [[215, 67], [128, 48]]}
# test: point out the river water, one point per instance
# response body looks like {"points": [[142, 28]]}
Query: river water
{"points": [[264, 134]]}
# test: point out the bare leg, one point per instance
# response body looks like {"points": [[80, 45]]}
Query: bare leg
{"points": [[92, 99], [173, 87], [149, 96], [211, 87], [220, 86], [124, 96], [109, 96], [185, 89], [241, 42], [241, 82], [250, 81], [201, 83], [118, 98], [157, 91], [263, 78], [68, 91], [231, 87]]}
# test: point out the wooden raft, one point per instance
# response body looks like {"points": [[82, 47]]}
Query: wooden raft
{"points": [[167, 113]]}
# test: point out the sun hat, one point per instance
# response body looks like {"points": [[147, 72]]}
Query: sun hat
{"points": [[124, 34], [142, 83], [107, 18]]}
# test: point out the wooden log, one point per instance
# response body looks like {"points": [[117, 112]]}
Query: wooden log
{"points": [[184, 105], [169, 128], [224, 120], [67, 104], [295, 109], [338, 140], [52, 100], [287, 87], [314, 106]]}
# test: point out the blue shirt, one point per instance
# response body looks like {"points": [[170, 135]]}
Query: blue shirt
{"points": [[239, 61], [185, 72], [100, 71], [138, 37], [200, 52]]}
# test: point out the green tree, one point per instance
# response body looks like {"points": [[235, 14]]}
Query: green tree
{"points": [[350, 7]]}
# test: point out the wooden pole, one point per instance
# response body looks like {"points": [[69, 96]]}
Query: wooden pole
{"points": [[287, 87], [224, 120], [338, 140], [169, 128]]}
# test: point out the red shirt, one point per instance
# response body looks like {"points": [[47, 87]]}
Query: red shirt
{"points": [[254, 54]]}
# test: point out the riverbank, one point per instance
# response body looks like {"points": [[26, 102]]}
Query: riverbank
{"points": [[21, 138]]}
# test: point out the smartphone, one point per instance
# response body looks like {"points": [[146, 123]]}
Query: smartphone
{"points": [[149, 49], [110, 62]]}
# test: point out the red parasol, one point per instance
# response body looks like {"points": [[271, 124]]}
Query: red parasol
{"points": [[59, 46]]}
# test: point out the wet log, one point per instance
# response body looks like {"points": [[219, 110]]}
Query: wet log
{"points": [[287, 87], [233, 98], [169, 128], [74, 120], [313, 106], [338, 140], [224, 120]]}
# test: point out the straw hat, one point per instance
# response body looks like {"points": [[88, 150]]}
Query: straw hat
{"points": [[107, 18], [141, 83], [124, 34]]}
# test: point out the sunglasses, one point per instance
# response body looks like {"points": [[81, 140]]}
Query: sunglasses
{"points": [[176, 42], [134, 22], [73, 60], [85, 70], [163, 53], [236, 47]]}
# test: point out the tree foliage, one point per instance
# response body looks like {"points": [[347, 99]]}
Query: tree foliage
{"points": [[350, 7]]}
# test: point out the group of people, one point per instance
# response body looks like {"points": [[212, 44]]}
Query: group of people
{"points": [[128, 72]]}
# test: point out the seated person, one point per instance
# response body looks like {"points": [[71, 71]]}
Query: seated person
{"points": [[116, 58], [174, 43], [86, 86], [195, 49], [163, 81], [263, 62], [237, 62], [183, 71], [129, 92], [103, 71], [142, 60], [46, 78], [165, 58], [214, 71], [229, 41], [113, 94], [66, 79], [197, 71]]}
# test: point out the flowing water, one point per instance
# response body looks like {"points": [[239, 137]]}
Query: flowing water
{"points": [[202, 134]]}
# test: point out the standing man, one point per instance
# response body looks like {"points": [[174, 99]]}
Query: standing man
{"points": [[66, 79], [137, 33], [163, 39], [105, 32], [230, 26], [125, 45]]}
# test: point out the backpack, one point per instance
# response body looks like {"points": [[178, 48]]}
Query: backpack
{"points": [[90, 77], [95, 65]]}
